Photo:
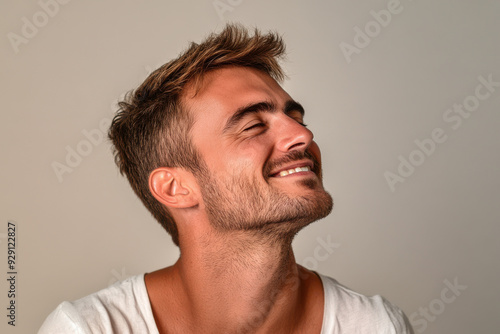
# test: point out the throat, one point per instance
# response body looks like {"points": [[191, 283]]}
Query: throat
{"points": [[249, 282]]}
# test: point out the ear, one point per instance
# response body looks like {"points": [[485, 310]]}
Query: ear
{"points": [[170, 186]]}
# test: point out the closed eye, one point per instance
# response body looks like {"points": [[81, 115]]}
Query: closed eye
{"points": [[301, 122], [297, 117], [254, 126]]}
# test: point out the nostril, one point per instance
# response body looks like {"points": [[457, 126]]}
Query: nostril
{"points": [[296, 145]]}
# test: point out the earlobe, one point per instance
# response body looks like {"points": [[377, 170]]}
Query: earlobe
{"points": [[168, 187]]}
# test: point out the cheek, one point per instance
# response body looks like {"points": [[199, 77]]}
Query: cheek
{"points": [[251, 153], [247, 166], [245, 158]]}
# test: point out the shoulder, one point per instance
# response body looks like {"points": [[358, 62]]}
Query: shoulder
{"points": [[357, 313], [121, 308]]}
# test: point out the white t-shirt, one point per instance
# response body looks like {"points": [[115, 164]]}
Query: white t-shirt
{"points": [[124, 308]]}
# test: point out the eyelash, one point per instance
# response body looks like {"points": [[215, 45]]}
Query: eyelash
{"points": [[256, 125], [259, 125]]}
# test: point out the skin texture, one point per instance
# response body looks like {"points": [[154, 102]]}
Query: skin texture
{"points": [[237, 217]]}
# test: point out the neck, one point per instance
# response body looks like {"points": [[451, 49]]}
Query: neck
{"points": [[238, 283], [245, 275]]}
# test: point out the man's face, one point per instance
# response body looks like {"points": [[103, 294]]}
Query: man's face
{"points": [[262, 170]]}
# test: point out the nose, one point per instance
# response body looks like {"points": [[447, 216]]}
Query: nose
{"points": [[292, 135]]}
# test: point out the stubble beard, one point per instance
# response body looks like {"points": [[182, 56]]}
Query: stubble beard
{"points": [[239, 204]]}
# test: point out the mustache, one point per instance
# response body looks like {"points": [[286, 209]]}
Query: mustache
{"points": [[291, 157]]}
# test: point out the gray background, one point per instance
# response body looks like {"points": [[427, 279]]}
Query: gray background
{"points": [[85, 230]]}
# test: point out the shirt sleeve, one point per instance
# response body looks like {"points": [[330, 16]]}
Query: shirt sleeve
{"points": [[400, 321], [347, 311], [64, 320]]}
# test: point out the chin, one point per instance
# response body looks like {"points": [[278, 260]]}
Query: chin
{"points": [[301, 212]]}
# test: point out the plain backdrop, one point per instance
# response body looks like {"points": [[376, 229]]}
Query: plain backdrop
{"points": [[414, 214]]}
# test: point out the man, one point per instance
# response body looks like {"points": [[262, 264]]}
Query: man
{"points": [[220, 155]]}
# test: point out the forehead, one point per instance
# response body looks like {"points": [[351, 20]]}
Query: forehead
{"points": [[224, 90]]}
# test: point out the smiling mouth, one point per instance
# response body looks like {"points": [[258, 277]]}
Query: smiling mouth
{"points": [[301, 167], [293, 170], [296, 162]]}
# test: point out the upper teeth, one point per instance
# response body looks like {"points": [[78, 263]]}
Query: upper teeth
{"points": [[295, 170]]}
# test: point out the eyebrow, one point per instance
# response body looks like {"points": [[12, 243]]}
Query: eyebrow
{"points": [[290, 106]]}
